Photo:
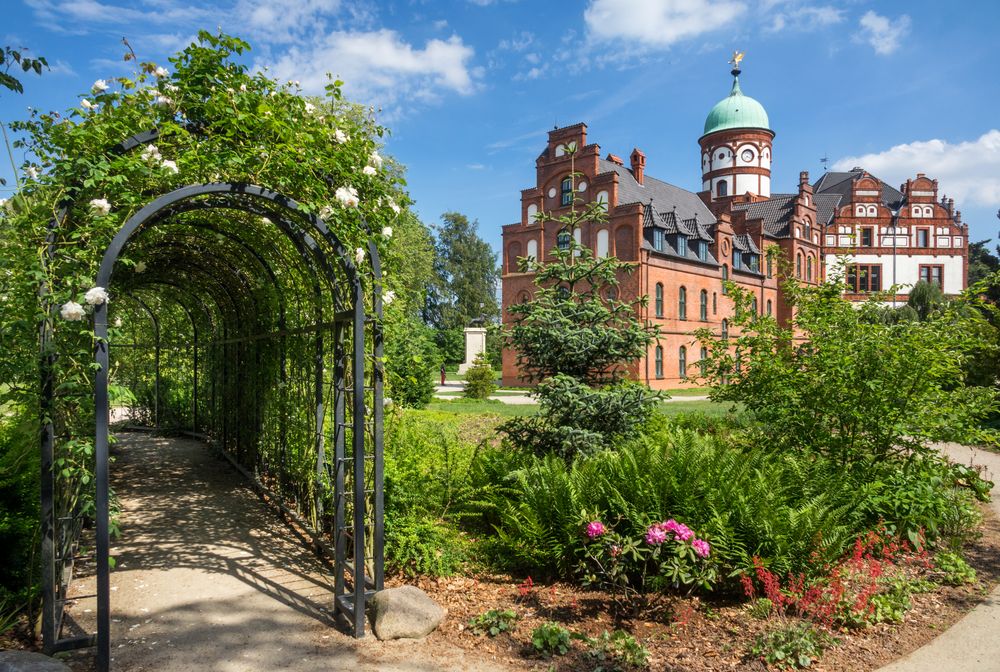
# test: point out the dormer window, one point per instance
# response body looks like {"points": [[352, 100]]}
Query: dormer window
{"points": [[702, 250], [567, 191], [658, 238], [682, 245], [737, 259]]}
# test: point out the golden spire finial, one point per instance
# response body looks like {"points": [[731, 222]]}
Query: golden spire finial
{"points": [[736, 59]]}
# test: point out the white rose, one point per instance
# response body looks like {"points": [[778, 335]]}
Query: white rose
{"points": [[171, 166], [325, 211], [348, 196], [87, 105], [100, 206], [369, 170], [310, 108], [265, 220], [163, 101], [387, 232], [243, 87], [95, 296], [376, 160], [161, 72], [359, 255], [340, 136], [72, 311], [31, 172], [100, 86], [118, 322], [394, 207], [388, 297], [3, 203], [151, 152], [169, 88]]}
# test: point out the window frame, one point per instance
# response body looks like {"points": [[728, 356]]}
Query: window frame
{"points": [[565, 192], [859, 278], [682, 298], [658, 304], [682, 362], [658, 362], [930, 268], [703, 305]]}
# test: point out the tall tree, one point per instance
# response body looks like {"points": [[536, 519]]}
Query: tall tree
{"points": [[982, 263], [464, 290]]}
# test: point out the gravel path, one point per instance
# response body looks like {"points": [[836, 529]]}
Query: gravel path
{"points": [[972, 644], [209, 579]]}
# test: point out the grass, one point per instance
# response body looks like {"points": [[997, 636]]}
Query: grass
{"points": [[490, 407], [689, 392]]}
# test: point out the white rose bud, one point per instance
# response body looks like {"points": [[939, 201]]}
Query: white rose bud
{"points": [[72, 311], [359, 255], [161, 72], [369, 170], [100, 86], [387, 232], [87, 105], [100, 206]]}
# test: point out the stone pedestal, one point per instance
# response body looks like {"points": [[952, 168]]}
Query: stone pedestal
{"points": [[475, 343]]}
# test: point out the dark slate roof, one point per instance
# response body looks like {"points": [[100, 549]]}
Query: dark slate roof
{"points": [[663, 196], [840, 183], [775, 211], [744, 243], [826, 207]]}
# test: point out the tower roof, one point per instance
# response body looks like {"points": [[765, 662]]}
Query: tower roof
{"points": [[736, 111]]}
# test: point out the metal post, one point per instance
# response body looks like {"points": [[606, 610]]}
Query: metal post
{"points": [[101, 484], [359, 462], [49, 620]]}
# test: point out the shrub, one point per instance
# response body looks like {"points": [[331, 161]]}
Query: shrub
{"points": [[480, 379], [422, 546], [760, 608], [411, 361], [618, 646], [550, 639], [19, 515], [793, 646], [953, 570], [640, 572], [494, 622]]}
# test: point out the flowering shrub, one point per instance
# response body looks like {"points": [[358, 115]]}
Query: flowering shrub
{"points": [[642, 571]]}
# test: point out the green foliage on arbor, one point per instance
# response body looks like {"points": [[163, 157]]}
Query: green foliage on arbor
{"points": [[841, 381], [576, 337], [480, 379], [19, 514]]}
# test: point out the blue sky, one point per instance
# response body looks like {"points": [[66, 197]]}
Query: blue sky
{"points": [[470, 87]]}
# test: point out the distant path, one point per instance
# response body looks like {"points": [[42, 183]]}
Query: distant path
{"points": [[208, 579], [973, 643], [452, 389]]}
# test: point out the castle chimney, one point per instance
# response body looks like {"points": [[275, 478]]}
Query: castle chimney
{"points": [[638, 164], [803, 178]]}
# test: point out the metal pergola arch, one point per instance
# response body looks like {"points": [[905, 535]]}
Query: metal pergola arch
{"points": [[211, 298]]}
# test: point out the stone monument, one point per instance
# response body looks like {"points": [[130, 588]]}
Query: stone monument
{"points": [[475, 343]]}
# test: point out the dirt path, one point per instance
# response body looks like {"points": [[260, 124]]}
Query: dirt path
{"points": [[209, 579], [971, 644]]}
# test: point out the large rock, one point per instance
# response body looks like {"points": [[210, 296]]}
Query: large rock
{"points": [[26, 661], [404, 613]]}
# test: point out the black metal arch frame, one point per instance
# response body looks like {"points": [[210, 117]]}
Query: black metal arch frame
{"points": [[211, 289]]}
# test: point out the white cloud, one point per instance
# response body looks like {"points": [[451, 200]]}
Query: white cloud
{"points": [[280, 21], [68, 15], [806, 18], [379, 67], [658, 23], [967, 171], [883, 34]]}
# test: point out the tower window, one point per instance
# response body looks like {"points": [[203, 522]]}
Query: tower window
{"points": [[722, 188], [567, 191]]}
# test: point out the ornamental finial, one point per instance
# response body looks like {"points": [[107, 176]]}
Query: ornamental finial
{"points": [[735, 62]]}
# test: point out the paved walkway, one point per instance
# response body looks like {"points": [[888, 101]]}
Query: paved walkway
{"points": [[209, 579], [452, 389], [973, 643]]}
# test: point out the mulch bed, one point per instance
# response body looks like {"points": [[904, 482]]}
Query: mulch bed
{"points": [[700, 634]]}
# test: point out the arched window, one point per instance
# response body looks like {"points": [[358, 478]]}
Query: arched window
{"points": [[703, 362], [682, 362], [578, 237], [798, 266], [715, 303], [769, 306], [722, 188], [567, 191], [532, 249], [770, 266], [725, 279], [753, 306], [659, 299], [659, 361], [562, 239], [682, 303], [602, 243], [703, 306], [809, 268], [725, 329]]}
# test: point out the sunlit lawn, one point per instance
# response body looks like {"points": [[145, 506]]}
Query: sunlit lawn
{"points": [[669, 408]]}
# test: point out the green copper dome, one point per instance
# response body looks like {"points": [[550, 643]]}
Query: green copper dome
{"points": [[736, 111]]}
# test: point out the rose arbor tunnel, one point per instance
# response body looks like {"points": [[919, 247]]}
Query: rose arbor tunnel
{"points": [[237, 317]]}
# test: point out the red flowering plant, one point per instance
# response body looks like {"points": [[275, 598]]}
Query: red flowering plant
{"points": [[870, 584], [642, 571]]}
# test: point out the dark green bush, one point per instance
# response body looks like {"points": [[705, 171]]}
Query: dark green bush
{"points": [[793, 646], [412, 361], [422, 546], [19, 514], [550, 639]]}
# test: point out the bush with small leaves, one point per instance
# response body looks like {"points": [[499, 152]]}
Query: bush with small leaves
{"points": [[494, 622], [551, 639], [795, 646], [480, 379]]}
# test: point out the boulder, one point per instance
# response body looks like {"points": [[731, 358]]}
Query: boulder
{"points": [[404, 613], [26, 661]]}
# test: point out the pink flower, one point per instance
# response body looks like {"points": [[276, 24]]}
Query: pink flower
{"points": [[656, 534], [701, 548], [616, 550], [681, 531], [595, 528]]}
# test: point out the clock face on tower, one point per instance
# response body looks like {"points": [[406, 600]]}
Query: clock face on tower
{"points": [[747, 155]]}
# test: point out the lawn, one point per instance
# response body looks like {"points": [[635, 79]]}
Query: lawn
{"points": [[490, 407]]}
